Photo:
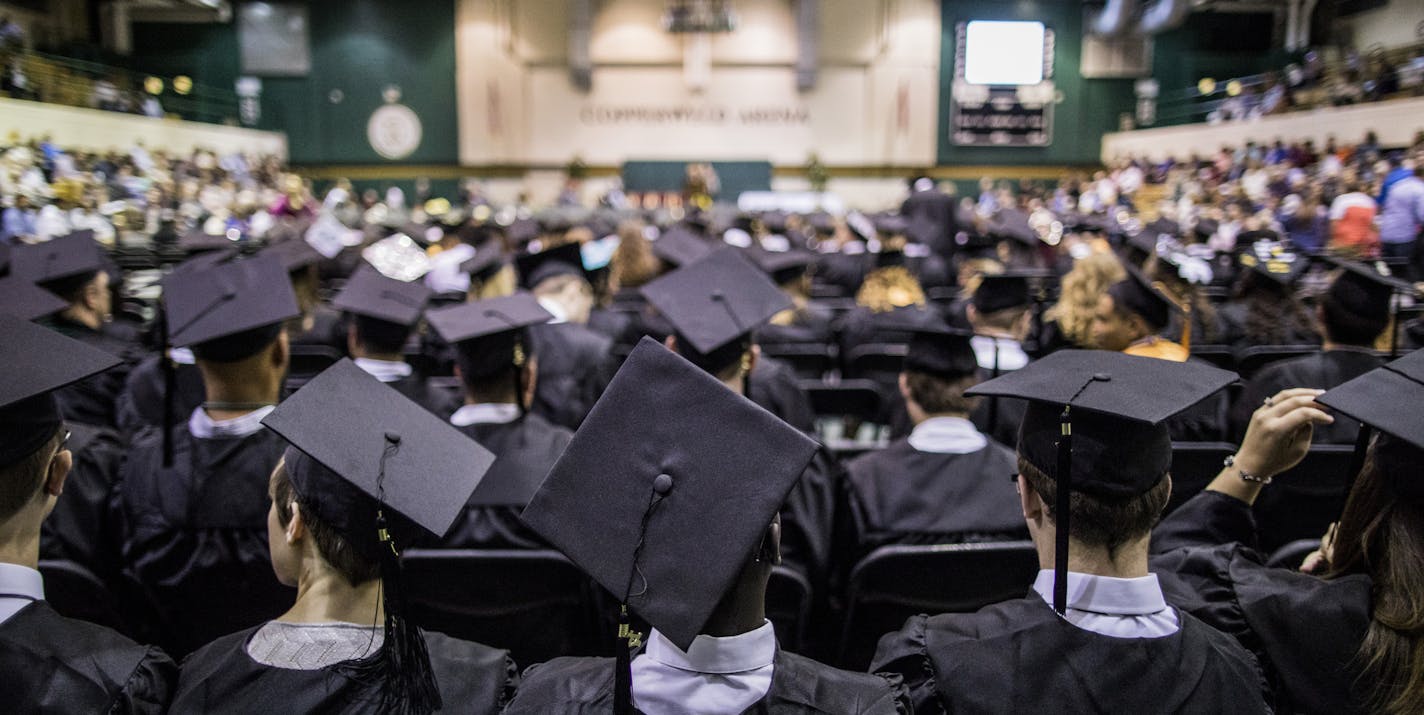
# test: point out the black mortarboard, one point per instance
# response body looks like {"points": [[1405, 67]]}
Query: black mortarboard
{"points": [[377, 468], [679, 246], [1367, 289], [562, 260], [27, 301], [1002, 291], [1137, 295], [1282, 268], [294, 254], [73, 256], [487, 333], [716, 300], [1013, 224], [1386, 399], [227, 299], [370, 293], [37, 361], [941, 351], [1094, 425], [199, 240], [783, 266], [487, 260], [207, 259], [667, 489]]}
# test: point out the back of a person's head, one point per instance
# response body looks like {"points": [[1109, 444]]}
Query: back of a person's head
{"points": [[334, 549], [941, 395], [235, 351], [1078, 298], [1101, 521], [1349, 327], [1381, 533], [22, 481], [381, 337]]}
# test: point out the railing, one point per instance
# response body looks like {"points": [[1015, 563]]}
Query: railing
{"points": [[1336, 83], [38, 76]]}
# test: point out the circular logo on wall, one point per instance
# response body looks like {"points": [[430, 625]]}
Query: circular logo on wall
{"points": [[394, 131]]}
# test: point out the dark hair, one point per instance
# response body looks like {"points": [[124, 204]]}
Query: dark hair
{"points": [[71, 288], [936, 395], [333, 547], [1380, 533], [1274, 316], [488, 364], [1349, 327], [721, 362], [20, 481], [380, 336], [238, 346], [1102, 521]]}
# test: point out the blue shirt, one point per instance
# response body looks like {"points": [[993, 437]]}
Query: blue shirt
{"points": [[1402, 212]]}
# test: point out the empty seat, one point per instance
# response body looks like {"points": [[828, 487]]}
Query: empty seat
{"points": [[1302, 502], [894, 583], [788, 606], [1194, 465], [537, 604], [877, 361], [311, 360], [1291, 555], [1252, 359], [1222, 356], [809, 360]]}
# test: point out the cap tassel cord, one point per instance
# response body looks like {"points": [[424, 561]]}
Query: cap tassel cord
{"points": [[402, 667], [721, 298], [628, 639], [1063, 507]]}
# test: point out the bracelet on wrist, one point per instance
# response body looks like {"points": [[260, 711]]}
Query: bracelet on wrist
{"points": [[1230, 463]]}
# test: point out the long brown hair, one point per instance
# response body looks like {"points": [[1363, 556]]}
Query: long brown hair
{"points": [[1381, 534]]}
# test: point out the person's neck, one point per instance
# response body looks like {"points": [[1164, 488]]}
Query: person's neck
{"points": [[82, 316], [487, 399], [742, 609], [325, 596], [1328, 345], [1127, 561], [372, 355], [257, 391], [989, 331], [20, 543]]}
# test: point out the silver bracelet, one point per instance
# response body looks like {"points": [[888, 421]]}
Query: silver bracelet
{"points": [[1245, 476]]}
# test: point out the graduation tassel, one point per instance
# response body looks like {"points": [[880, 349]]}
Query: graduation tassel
{"points": [[994, 402], [402, 667], [170, 380], [720, 297], [628, 639], [1063, 507], [519, 360]]}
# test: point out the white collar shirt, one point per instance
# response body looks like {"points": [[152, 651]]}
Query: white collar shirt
{"points": [[713, 677], [1115, 607]]}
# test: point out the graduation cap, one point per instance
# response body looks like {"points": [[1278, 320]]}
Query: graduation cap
{"points": [[60, 261], [206, 305], [1366, 289], [386, 470], [295, 254], [1013, 224], [783, 266], [369, 293], [1002, 291], [488, 335], [941, 351], [27, 301], [488, 259], [1281, 267], [1386, 399], [199, 240], [714, 302], [562, 260], [665, 493], [1094, 424], [679, 246], [1136, 294], [37, 361], [207, 259]]}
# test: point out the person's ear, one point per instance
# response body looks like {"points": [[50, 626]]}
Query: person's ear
{"points": [[530, 379], [903, 383], [58, 471], [753, 355], [296, 527], [351, 344], [971, 313], [281, 352], [670, 342], [1029, 500]]}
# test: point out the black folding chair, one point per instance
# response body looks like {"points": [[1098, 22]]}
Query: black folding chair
{"points": [[1194, 465], [1222, 356], [809, 360], [894, 583], [1302, 502], [788, 606], [877, 361], [74, 591], [852, 403], [1291, 555], [536, 604], [308, 361], [1252, 359]]}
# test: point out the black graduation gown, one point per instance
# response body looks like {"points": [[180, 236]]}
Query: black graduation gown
{"points": [[939, 212], [525, 450], [776, 388], [798, 685], [54, 664], [575, 365], [1020, 657], [415, 387], [1323, 371], [195, 533], [900, 495], [813, 324], [808, 519], [92, 400], [1304, 630], [140, 405], [81, 528], [328, 330], [221, 677]]}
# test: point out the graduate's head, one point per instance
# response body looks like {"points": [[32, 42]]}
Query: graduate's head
{"points": [[1097, 521], [493, 354], [1355, 309], [71, 267], [295, 533], [1130, 310], [383, 312], [940, 365], [33, 458]]}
